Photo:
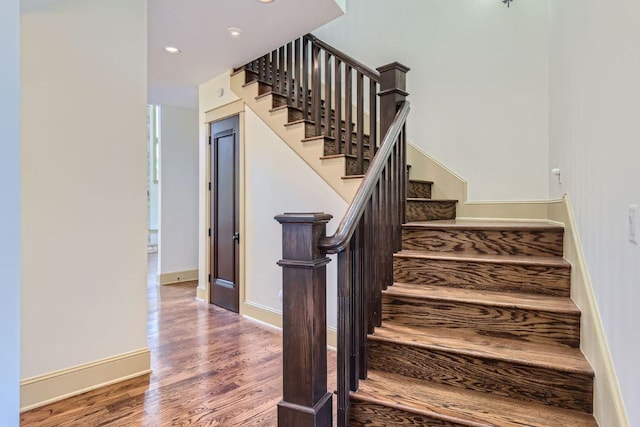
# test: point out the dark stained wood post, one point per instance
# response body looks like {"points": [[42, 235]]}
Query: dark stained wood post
{"points": [[392, 92], [305, 401]]}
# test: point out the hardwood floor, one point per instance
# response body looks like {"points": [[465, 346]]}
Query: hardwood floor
{"points": [[210, 367]]}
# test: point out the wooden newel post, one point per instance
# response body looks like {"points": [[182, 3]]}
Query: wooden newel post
{"points": [[393, 84], [305, 401]]}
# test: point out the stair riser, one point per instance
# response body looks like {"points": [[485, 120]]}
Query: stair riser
{"points": [[310, 132], [535, 279], [277, 99], [529, 383], [419, 190], [352, 166], [250, 76], [505, 242], [504, 322], [293, 115], [371, 414], [330, 148], [430, 210]]}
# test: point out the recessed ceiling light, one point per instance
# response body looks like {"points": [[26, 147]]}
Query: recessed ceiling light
{"points": [[265, 1], [235, 32], [172, 50]]}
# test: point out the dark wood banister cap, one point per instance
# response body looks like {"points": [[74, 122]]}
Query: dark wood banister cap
{"points": [[393, 65], [339, 240], [394, 90], [304, 218]]}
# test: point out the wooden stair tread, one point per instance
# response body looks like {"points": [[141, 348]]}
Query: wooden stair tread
{"points": [[485, 297], [252, 82], [331, 138], [467, 224], [311, 122], [264, 95], [276, 109], [421, 181], [564, 359], [420, 199], [345, 155], [239, 70], [466, 407], [501, 259]]}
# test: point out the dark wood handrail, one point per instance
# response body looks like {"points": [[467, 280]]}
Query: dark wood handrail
{"points": [[340, 239], [354, 63], [328, 89]]}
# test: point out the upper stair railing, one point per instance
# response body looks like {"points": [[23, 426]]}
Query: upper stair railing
{"points": [[331, 90], [318, 80]]}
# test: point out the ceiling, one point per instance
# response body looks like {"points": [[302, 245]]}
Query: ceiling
{"points": [[199, 29]]}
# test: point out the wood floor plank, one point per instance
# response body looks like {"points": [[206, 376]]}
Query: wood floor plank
{"points": [[210, 367]]}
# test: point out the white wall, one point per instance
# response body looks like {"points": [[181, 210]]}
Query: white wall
{"points": [[10, 211], [278, 181], [84, 215], [595, 140], [178, 236], [478, 83]]}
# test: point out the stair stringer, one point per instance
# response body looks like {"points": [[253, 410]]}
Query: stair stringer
{"points": [[330, 170]]}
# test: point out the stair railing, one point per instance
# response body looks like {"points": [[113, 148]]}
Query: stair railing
{"points": [[365, 240], [331, 90]]}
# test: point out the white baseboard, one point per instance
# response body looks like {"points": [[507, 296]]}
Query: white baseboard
{"points": [[608, 405], [273, 318], [52, 387], [177, 277], [201, 294]]}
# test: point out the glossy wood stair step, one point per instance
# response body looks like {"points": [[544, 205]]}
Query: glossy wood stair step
{"points": [[295, 114], [422, 209], [330, 148], [552, 375], [511, 273], [485, 237], [533, 318], [265, 87], [351, 163], [419, 189], [310, 129], [278, 100], [389, 400]]}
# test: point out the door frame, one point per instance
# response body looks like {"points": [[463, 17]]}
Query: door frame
{"points": [[221, 113], [221, 240]]}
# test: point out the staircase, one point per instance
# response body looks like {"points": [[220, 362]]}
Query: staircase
{"points": [[442, 322], [478, 329], [301, 133]]}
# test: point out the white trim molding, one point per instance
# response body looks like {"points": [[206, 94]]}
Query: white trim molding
{"points": [[608, 405], [177, 277], [52, 387], [271, 317]]}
